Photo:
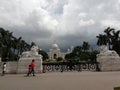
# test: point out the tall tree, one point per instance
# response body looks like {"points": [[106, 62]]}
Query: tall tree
{"points": [[108, 33], [44, 54], [32, 44], [85, 46], [116, 41], [10, 44], [111, 38], [102, 39], [6, 43]]}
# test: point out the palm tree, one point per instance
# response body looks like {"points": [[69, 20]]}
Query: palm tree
{"points": [[8, 40], [10, 44], [32, 44], [18, 42], [5, 42], [24, 46], [116, 41], [111, 38], [14, 44], [102, 40], [109, 35], [2, 35]]}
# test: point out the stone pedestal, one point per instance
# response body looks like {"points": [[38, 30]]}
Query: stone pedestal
{"points": [[109, 63], [25, 62], [109, 60], [26, 59], [11, 67]]}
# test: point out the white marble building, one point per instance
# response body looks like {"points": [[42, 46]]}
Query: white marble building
{"points": [[55, 52]]}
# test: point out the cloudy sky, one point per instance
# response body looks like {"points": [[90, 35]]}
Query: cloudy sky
{"points": [[65, 22]]}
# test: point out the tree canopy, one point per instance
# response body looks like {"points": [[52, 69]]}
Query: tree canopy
{"points": [[111, 38], [82, 53], [11, 47]]}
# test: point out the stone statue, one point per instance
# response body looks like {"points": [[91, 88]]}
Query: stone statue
{"points": [[104, 51], [26, 58], [33, 52], [108, 60]]}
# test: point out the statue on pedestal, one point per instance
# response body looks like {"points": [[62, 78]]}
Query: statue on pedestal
{"points": [[26, 58], [104, 51], [31, 53], [108, 60]]}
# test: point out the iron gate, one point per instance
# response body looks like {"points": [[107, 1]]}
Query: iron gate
{"points": [[68, 66]]}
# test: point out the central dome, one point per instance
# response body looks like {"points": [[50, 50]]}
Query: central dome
{"points": [[55, 46]]}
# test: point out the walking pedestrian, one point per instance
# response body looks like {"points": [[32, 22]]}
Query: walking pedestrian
{"points": [[3, 69], [29, 70], [33, 66]]}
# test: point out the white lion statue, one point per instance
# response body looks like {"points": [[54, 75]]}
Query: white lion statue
{"points": [[33, 52], [104, 51]]}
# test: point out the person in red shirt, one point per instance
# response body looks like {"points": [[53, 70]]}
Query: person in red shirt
{"points": [[29, 70], [33, 66]]}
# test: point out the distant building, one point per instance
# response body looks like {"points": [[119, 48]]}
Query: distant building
{"points": [[55, 52]]}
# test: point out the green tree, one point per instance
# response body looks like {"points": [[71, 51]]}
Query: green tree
{"points": [[108, 33], [85, 46], [77, 50], [102, 40], [59, 59], [9, 45], [116, 41], [5, 43], [110, 38], [70, 56], [93, 55], [85, 56], [33, 44], [44, 54]]}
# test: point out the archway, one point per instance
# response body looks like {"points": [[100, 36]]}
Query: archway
{"points": [[55, 56]]}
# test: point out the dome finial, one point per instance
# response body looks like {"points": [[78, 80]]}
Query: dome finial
{"points": [[55, 46]]}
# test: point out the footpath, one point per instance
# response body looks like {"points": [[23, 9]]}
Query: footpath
{"points": [[61, 81]]}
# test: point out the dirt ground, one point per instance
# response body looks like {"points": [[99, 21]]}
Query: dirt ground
{"points": [[61, 81]]}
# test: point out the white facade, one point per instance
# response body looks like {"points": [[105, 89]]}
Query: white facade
{"points": [[55, 52]]}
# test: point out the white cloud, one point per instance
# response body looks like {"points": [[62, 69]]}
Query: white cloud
{"points": [[49, 20], [101, 6], [111, 23], [46, 20], [86, 23], [82, 14]]}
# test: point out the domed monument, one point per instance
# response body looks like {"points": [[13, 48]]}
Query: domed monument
{"points": [[55, 46], [55, 52]]}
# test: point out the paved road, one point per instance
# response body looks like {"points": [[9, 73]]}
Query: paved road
{"points": [[62, 81]]}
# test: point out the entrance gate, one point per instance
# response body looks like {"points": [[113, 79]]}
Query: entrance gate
{"points": [[70, 66]]}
